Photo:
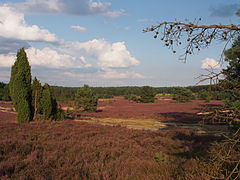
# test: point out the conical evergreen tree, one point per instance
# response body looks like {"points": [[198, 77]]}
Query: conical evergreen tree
{"points": [[20, 87], [46, 102]]}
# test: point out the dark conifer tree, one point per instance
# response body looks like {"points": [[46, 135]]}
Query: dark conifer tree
{"points": [[232, 72], [20, 87], [86, 99], [46, 102]]}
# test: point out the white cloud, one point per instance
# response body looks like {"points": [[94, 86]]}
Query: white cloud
{"points": [[6, 60], [210, 63], [46, 58], [115, 14], [116, 56], [121, 75], [105, 75], [100, 53], [74, 7], [78, 28], [13, 26], [107, 55]]}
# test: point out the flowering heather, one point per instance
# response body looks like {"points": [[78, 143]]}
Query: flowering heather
{"points": [[78, 150]]}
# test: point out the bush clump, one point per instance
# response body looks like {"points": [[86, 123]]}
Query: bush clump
{"points": [[182, 94], [147, 94], [131, 97], [205, 95], [85, 99]]}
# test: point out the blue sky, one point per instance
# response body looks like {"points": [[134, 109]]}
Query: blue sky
{"points": [[101, 43]]}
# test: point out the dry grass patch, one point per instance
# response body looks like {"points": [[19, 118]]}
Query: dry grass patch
{"points": [[151, 124]]}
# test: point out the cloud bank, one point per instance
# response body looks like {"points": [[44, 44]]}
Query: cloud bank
{"points": [[210, 63], [90, 60], [72, 7], [46, 57], [107, 55], [13, 26]]}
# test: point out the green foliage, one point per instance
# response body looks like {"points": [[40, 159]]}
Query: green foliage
{"points": [[160, 157], [233, 105], [231, 83], [182, 94], [66, 94], [131, 97], [4, 92], [205, 95], [60, 115], [147, 94], [232, 72], [46, 102], [86, 99], [24, 113], [106, 96], [48, 106], [20, 87]]}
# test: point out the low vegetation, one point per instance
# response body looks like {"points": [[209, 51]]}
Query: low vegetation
{"points": [[67, 150], [79, 150], [182, 94], [86, 99], [147, 94]]}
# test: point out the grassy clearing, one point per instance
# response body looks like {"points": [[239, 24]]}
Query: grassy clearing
{"points": [[152, 124]]}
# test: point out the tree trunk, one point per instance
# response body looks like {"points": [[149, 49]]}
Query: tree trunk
{"points": [[35, 117]]}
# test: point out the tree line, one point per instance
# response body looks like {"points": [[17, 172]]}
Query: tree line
{"points": [[68, 93]]}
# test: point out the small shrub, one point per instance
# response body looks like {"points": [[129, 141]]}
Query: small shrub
{"points": [[110, 102], [182, 94], [147, 94], [160, 157], [60, 115], [204, 95], [131, 97]]}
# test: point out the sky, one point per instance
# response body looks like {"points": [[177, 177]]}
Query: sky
{"points": [[101, 42]]}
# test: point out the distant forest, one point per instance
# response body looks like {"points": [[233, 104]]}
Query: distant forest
{"points": [[68, 93]]}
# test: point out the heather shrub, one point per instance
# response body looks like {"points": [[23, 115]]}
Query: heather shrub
{"points": [[71, 150]]}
